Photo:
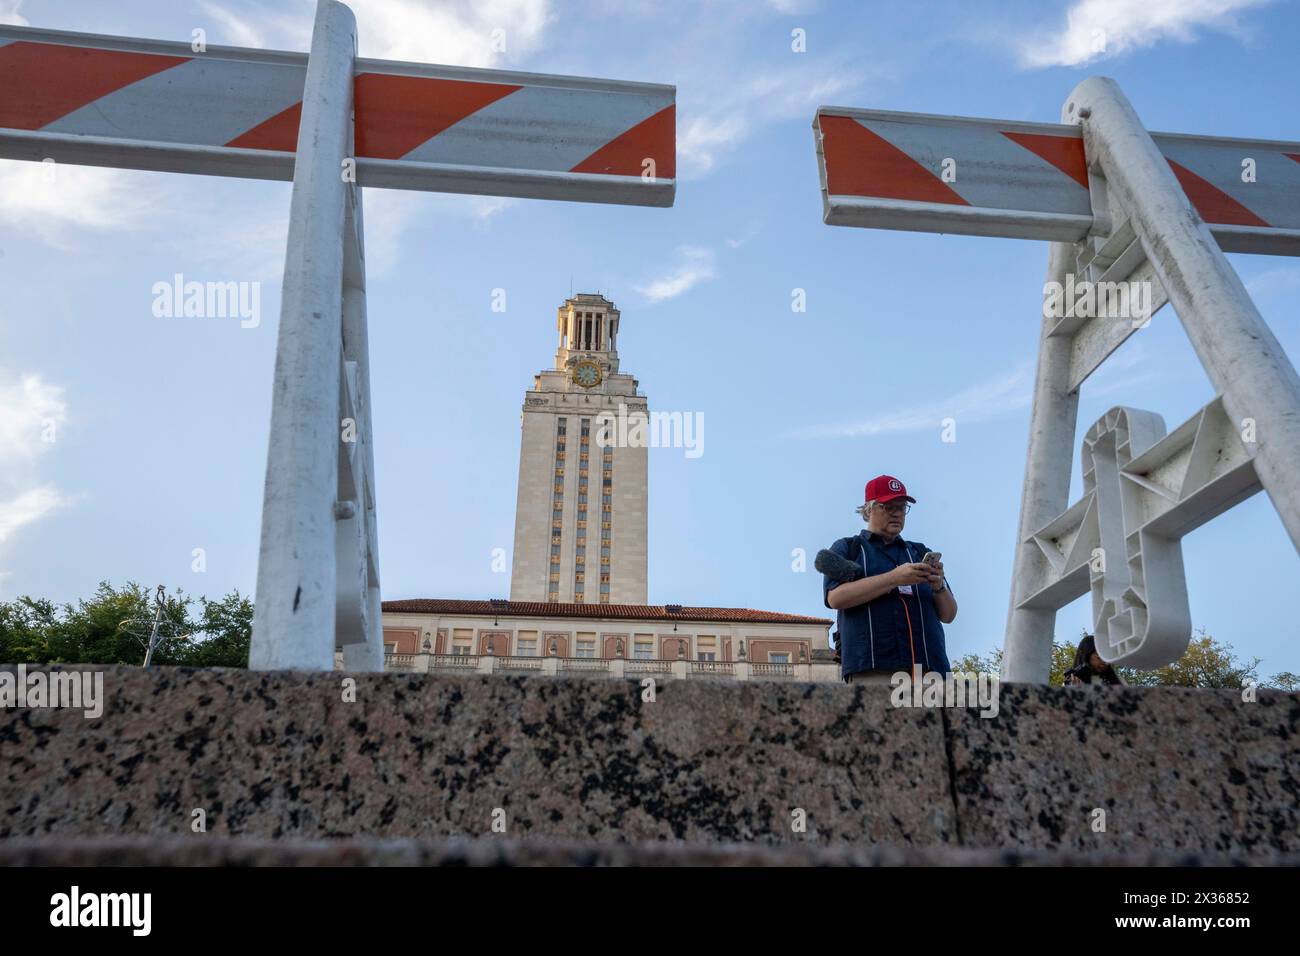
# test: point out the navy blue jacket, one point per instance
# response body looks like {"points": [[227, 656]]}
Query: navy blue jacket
{"points": [[875, 635]]}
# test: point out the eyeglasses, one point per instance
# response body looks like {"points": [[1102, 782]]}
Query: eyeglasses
{"points": [[895, 509]]}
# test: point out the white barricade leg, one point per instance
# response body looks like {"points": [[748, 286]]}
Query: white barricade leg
{"points": [[1027, 651], [293, 623], [359, 627]]}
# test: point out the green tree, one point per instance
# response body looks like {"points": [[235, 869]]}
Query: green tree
{"points": [[977, 664], [1062, 660], [25, 627], [225, 631], [113, 627], [1285, 681], [1206, 663]]}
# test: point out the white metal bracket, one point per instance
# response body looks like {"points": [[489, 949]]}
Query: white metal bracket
{"points": [[1143, 491]]}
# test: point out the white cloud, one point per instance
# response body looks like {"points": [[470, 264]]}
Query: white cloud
{"points": [[743, 239], [478, 33], [703, 137], [459, 33], [390, 214], [980, 402], [29, 507], [29, 406], [9, 13], [695, 265], [485, 208], [1099, 29], [242, 238], [237, 31], [50, 200], [33, 414], [718, 113]]}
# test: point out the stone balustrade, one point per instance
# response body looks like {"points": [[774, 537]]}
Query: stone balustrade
{"points": [[610, 667]]}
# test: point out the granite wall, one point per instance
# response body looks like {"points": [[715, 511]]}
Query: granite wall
{"points": [[431, 757]]}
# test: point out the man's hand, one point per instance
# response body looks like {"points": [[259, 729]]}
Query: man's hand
{"points": [[945, 605], [915, 573]]}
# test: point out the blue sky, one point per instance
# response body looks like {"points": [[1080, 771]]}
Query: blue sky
{"points": [[161, 423]]}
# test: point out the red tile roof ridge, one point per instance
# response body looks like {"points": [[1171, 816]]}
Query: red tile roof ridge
{"points": [[623, 611]]}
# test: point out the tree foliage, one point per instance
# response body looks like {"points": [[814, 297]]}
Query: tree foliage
{"points": [[113, 626], [1207, 663], [1062, 660]]}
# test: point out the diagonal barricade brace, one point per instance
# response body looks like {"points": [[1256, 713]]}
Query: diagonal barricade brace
{"points": [[1257, 386], [1119, 205], [919, 172], [152, 104], [331, 123]]}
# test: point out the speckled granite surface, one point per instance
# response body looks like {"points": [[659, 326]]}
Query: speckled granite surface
{"points": [[490, 851], [417, 755], [588, 761], [1172, 768]]}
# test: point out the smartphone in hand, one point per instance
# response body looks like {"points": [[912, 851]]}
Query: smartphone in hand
{"points": [[932, 557]]}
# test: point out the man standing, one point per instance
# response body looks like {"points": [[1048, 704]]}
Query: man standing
{"points": [[891, 619]]}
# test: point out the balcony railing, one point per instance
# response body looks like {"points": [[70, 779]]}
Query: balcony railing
{"points": [[643, 666], [609, 667], [466, 662], [713, 667], [585, 664], [519, 663]]}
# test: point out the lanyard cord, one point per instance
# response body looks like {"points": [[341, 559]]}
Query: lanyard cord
{"points": [[908, 615]]}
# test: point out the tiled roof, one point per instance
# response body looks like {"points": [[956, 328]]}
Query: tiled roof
{"points": [[640, 612]]}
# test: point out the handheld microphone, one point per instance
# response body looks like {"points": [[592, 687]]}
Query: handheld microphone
{"points": [[837, 568]]}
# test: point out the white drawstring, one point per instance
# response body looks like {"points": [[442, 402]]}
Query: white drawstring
{"points": [[920, 609], [870, 628]]}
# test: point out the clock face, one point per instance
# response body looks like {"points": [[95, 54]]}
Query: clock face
{"points": [[586, 374]]}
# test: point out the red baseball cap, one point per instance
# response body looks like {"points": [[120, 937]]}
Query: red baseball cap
{"points": [[886, 488]]}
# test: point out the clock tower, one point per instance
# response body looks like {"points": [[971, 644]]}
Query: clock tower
{"points": [[580, 520]]}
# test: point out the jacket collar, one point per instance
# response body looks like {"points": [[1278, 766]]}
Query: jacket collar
{"points": [[878, 539]]}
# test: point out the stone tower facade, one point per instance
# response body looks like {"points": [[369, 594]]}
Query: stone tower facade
{"points": [[580, 520]]}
